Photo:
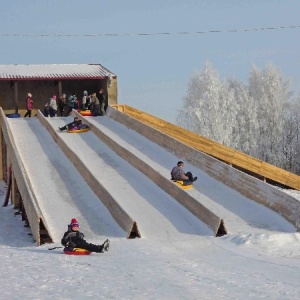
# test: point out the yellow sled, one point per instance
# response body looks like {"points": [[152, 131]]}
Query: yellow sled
{"points": [[76, 251], [181, 184]]}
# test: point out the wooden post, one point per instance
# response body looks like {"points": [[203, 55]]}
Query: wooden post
{"points": [[59, 89], [8, 191], [1, 154], [16, 96]]}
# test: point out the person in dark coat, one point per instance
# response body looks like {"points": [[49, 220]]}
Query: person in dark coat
{"points": [[71, 103], [73, 238], [62, 103], [95, 105], [102, 102], [75, 123]]}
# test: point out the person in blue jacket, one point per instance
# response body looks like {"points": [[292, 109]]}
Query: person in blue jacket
{"points": [[71, 102]]}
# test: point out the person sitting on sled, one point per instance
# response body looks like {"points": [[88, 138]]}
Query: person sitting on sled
{"points": [[178, 173], [71, 125], [73, 238]]}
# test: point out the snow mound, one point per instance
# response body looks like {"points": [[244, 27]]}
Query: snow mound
{"points": [[273, 245]]}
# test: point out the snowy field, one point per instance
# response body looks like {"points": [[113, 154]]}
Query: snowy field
{"points": [[253, 266]]}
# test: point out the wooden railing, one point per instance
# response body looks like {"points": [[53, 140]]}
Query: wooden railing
{"points": [[237, 159]]}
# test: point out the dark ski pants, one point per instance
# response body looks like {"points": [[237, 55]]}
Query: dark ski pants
{"points": [[28, 113], [190, 176], [89, 246]]}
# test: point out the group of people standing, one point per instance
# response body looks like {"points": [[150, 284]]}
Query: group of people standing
{"points": [[88, 102], [93, 103], [64, 105]]}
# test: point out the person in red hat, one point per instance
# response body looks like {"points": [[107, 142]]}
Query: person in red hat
{"points": [[29, 105], [73, 238]]}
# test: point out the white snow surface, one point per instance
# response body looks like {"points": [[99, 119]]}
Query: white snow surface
{"points": [[177, 256]]}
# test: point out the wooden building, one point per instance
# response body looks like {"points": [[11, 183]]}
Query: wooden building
{"points": [[44, 81]]}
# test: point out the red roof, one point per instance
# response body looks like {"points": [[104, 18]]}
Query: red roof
{"points": [[52, 72]]}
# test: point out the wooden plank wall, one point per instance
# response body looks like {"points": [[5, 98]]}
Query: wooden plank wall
{"points": [[230, 156], [33, 212], [211, 218], [247, 185]]}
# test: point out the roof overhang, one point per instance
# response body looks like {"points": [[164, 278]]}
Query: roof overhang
{"points": [[54, 72]]}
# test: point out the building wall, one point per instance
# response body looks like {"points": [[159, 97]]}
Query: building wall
{"points": [[42, 90], [112, 91]]}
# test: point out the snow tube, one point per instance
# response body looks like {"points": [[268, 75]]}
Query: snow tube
{"points": [[76, 251], [13, 116], [85, 112], [81, 128], [183, 185]]}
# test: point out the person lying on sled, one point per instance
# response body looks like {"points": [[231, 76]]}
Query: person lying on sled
{"points": [[71, 125], [178, 173], [73, 238]]}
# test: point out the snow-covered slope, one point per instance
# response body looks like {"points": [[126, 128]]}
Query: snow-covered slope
{"points": [[186, 264], [58, 184], [60, 190], [240, 214]]}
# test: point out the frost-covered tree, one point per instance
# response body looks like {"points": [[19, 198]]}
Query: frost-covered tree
{"points": [[246, 124], [271, 93], [206, 109], [291, 142], [258, 119]]}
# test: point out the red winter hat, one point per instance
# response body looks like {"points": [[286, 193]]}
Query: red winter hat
{"points": [[74, 223]]}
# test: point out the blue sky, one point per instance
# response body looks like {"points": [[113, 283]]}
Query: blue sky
{"points": [[153, 70]]}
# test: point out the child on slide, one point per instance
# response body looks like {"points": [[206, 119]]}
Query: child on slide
{"points": [[76, 123], [73, 238]]}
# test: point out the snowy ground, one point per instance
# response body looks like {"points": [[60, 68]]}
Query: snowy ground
{"points": [[252, 262], [196, 267]]}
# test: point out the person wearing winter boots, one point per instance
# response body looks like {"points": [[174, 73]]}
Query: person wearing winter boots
{"points": [[62, 103], [29, 105], [77, 122], [73, 238], [95, 105], [85, 101], [71, 103], [178, 173], [102, 102], [53, 106]]}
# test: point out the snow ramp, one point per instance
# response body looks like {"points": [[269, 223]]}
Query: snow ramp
{"points": [[208, 200], [51, 188], [118, 183], [164, 134], [62, 187], [102, 178]]}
